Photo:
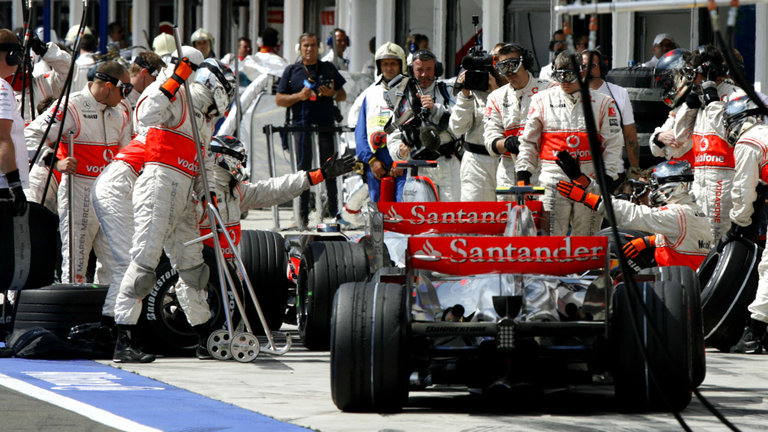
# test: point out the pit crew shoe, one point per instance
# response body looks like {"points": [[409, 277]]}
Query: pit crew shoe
{"points": [[753, 340], [126, 351], [201, 352]]}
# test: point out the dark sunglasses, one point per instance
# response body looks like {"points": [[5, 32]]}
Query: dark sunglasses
{"points": [[564, 75], [509, 66], [125, 88]]}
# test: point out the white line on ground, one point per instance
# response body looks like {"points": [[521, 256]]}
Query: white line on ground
{"points": [[91, 412]]}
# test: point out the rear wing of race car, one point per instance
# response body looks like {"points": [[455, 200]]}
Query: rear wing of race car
{"points": [[476, 217], [472, 255]]}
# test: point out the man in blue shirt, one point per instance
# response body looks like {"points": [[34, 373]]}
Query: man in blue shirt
{"points": [[309, 88]]}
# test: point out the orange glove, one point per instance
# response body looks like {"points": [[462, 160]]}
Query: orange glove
{"points": [[574, 192], [633, 247], [523, 178], [183, 70]]}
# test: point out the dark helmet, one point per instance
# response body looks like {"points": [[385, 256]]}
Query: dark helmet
{"points": [[741, 113], [231, 155], [670, 181], [668, 76]]}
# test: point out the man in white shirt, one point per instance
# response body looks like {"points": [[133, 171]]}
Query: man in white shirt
{"points": [[13, 149], [595, 69], [338, 43], [662, 43]]}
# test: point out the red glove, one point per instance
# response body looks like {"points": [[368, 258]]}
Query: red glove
{"points": [[574, 192], [637, 245], [183, 70]]}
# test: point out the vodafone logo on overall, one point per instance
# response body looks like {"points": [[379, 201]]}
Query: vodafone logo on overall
{"points": [[703, 144], [573, 141], [108, 155]]}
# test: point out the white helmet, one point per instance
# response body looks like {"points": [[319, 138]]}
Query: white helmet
{"points": [[193, 54], [202, 34], [72, 33], [390, 51], [220, 80], [670, 182], [163, 44]]}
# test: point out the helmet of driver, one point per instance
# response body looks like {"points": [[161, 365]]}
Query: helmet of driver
{"points": [[741, 113], [220, 80], [668, 76], [390, 51], [670, 182], [230, 154]]}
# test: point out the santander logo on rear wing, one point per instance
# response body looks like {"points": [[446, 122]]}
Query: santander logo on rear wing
{"points": [[464, 256], [477, 217]]}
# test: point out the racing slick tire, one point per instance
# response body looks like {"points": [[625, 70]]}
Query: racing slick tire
{"points": [[690, 284], [369, 347], [163, 326], [40, 239], [265, 260], [325, 265], [644, 260], [729, 281], [58, 308], [659, 375]]}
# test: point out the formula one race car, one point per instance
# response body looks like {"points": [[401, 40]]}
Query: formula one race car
{"points": [[487, 311]]}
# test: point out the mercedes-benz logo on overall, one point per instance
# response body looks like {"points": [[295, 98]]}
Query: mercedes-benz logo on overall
{"points": [[573, 141], [704, 144], [108, 154]]}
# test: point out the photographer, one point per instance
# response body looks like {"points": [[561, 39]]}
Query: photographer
{"points": [[478, 168], [308, 88], [427, 136], [507, 107]]}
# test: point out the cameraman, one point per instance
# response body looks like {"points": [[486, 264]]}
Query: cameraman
{"points": [[309, 87], [507, 107], [478, 168], [434, 98]]}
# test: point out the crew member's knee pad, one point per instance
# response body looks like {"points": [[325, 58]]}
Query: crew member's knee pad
{"points": [[143, 281], [196, 277]]}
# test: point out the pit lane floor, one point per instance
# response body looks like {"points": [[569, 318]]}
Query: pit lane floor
{"points": [[294, 389]]}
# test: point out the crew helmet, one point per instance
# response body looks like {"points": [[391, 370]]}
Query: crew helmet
{"points": [[231, 155], [220, 80], [163, 44], [193, 54], [668, 76], [390, 51], [670, 182], [741, 113], [202, 34]]}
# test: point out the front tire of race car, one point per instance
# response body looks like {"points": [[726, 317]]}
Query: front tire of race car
{"points": [[325, 265], [369, 347], [265, 258], [690, 284], [657, 376], [729, 282]]}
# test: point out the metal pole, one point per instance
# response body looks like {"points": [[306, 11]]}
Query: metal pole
{"points": [[294, 169], [642, 6], [71, 208], [204, 176], [272, 173], [320, 187]]}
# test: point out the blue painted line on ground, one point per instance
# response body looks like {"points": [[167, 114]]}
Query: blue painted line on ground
{"points": [[137, 398]]}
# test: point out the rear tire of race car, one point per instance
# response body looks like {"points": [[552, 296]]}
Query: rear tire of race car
{"points": [[325, 265], [688, 281], [163, 326], [726, 292], [59, 307], [369, 347], [660, 377], [265, 260]]}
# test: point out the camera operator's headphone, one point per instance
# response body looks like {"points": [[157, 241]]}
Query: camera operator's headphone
{"points": [[601, 61], [526, 55], [13, 57], [426, 55], [708, 55]]}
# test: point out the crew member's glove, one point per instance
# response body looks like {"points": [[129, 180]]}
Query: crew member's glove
{"points": [[633, 247], [571, 168], [693, 100], [633, 173], [18, 204], [512, 144], [736, 232], [574, 192], [709, 88], [332, 168], [523, 178], [183, 70], [379, 139], [38, 46]]}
